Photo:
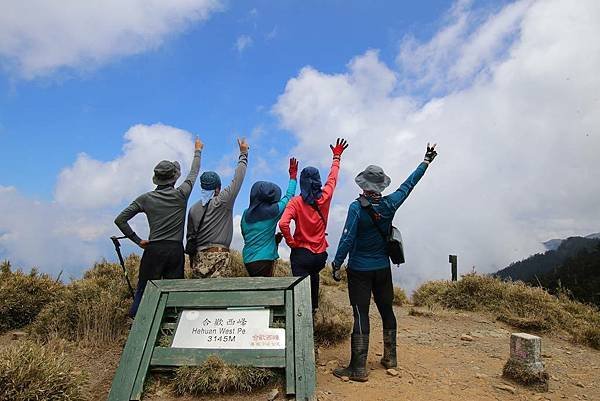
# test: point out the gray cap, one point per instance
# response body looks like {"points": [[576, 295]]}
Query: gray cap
{"points": [[166, 172], [373, 179]]}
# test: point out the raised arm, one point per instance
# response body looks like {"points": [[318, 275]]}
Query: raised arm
{"points": [[289, 214], [229, 194], [122, 221], [186, 187], [398, 197], [348, 235], [340, 146], [291, 189]]}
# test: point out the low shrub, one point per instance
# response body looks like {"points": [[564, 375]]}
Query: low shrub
{"points": [[238, 269], [32, 372], [110, 276], [216, 377], [236, 266], [326, 276], [400, 297], [282, 268], [22, 296], [332, 323], [92, 310], [515, 303]]}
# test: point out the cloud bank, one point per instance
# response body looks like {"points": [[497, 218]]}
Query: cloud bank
{"points": [[39, 37], [90, 183], [511, 98], [71, 232]]}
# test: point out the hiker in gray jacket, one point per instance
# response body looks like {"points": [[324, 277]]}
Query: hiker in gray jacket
{"points": [[210, 221], [165, 208]]}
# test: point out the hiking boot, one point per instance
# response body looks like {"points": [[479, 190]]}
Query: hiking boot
{"points": [[357, 369], [389, 359]]}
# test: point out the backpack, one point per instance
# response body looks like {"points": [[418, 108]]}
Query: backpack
{"points": [[191, 246], [393, 238]]}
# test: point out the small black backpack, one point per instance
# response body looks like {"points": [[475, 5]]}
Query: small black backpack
{"points": [[393, 238]]}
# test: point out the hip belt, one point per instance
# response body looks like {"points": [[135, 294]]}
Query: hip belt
{"points": [[215, 249]]}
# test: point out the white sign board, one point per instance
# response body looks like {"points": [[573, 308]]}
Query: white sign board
{"points": [[227, 329]]}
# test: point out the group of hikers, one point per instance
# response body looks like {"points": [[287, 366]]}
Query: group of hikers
{"points": [[365, 237]]}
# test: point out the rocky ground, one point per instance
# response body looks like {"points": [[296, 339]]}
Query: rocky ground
{"points": [[442, 355]]}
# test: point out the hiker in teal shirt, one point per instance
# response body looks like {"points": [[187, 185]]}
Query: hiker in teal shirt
{"points": [[259, 222]]}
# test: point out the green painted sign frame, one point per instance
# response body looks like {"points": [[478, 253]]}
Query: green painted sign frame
{"points": [[288, 299]]}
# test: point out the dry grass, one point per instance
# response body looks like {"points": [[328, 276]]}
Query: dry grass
{"points": [[22, 296], [333, 323], [515, 303], [420, 313], [34, 372], [400, 297], [214, 376], [327, 277], [238, 269], [92, 311]]}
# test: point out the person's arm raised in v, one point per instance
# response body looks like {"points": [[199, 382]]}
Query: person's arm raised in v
{"points": [[399, 196], [227, 196], [188, 184], [340, 146], [291, 189]]}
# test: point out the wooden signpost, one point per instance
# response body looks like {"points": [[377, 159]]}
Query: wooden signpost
{"points": [[251, 321]]}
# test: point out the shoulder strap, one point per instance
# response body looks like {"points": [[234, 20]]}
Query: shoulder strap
{"points": [[203, 216], [316, 207], [368, 206]]}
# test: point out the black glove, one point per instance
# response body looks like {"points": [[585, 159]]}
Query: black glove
{"points": [[336, 272], [430, 154]]}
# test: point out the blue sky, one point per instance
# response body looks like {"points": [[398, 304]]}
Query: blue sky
{"points": [[91, 96], [196, 81]]}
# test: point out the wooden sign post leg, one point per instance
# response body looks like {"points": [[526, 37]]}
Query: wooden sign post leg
{"points": [[304, 343]]}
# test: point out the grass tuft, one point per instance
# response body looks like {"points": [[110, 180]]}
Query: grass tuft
{"points": [[515, 303], [216, 377], [23, 296], [92, 311], [400, 297], [238, 269], [32, 372], [333, 323]]}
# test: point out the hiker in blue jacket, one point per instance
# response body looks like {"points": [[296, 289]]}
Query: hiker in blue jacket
{"points": [[259, 223], [369, 264]]}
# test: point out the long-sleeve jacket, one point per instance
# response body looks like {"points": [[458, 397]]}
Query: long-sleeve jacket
{"points": [[310, 227], [360, 237], [217, 227], [164, 208], [259, 237]]}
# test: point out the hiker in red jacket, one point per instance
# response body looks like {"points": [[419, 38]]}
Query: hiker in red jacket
{"points": [[310, 211]]}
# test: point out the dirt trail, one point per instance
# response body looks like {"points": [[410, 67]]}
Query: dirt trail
{"points": [[434, 364]]}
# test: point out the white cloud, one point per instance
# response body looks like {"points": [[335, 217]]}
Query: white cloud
{"points": [[72, 231], [463, 49], [272, 34], [39, 37], [91, 183], [518, 138], [49, 236], [243, 42]]}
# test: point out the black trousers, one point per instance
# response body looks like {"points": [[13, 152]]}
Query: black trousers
{"points": [[161, 259], [360, 286], [260, 268], [305, 263]]}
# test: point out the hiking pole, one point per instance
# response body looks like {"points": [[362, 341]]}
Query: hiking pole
{"points": [[117, 245]]}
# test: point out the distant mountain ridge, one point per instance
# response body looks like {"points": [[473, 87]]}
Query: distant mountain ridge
{"points": [[543, 263], [553, 244]]}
